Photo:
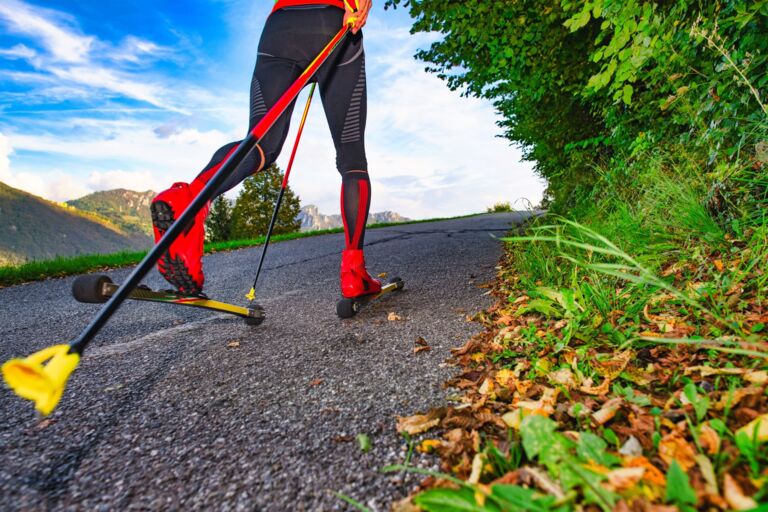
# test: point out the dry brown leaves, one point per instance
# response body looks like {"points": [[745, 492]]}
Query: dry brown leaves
{"points": [[507, 372]]}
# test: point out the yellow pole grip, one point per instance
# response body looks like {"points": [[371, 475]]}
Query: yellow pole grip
{"points": [[42, 376]]}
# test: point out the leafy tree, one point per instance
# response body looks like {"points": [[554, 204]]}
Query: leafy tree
{"points": [[218, 225], [587, 85], [254, 206]]}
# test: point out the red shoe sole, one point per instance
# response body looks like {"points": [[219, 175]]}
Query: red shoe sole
{"points": [[174, 270]]}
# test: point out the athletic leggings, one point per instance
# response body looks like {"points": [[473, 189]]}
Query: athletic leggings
{"points": [[291, 39]]}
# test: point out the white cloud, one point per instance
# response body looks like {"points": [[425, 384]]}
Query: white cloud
{"points": [[5, 156], [53, 185], [71, 58], [140, 181], [111, 80], [18, 51], [135, 50], [49, 27]]}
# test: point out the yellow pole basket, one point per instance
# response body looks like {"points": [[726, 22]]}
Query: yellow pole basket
{"points": [[42, 383]]}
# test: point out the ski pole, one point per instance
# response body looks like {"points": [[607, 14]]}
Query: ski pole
{"points": [[42, 376], [252, 294]]}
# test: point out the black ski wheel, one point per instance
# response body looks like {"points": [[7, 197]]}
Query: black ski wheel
{"points": [[90, 288], [398, 281], [345, 308], [257, 316]]}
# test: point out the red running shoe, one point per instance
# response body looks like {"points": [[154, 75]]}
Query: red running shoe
{"points": [[182, 264], [355, 280]]}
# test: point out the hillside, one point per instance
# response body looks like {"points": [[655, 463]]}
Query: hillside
{"points": [[127, 209], [312, 219], [32, 228]]}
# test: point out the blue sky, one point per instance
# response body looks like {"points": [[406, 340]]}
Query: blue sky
{"points": [[100, 95]]}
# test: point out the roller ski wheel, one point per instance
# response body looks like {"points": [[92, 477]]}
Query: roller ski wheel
{"points": [[347, 308], [256, 315], [91, 288]]}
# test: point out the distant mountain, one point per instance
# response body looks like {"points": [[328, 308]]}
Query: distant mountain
{"points": [[311, 219], [32, 228], [127, 209]]}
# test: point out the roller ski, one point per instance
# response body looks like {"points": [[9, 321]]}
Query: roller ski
{"points": [[358, 288], [349, 307], [98, 288]]}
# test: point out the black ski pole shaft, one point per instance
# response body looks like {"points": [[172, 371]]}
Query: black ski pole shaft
{"points": [[252, 294]]}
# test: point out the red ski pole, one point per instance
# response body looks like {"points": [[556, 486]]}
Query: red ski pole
{"points": [[252, 294], [42, 376]]}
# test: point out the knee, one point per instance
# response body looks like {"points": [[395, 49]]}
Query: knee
{"points": [[351, 158]]}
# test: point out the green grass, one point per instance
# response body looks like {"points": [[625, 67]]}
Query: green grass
{"points": [[59, 267], [647, 266]]}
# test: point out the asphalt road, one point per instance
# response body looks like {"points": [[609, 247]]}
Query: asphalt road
{"points": [[165, 412]]}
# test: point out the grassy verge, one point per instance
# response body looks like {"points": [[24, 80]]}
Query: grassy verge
{"points": [[60, 267], [624, 365]]}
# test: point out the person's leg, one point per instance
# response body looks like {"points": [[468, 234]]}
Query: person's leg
{"points": [[182, 264], [343, 90]]}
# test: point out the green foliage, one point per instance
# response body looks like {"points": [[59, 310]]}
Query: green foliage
{"points": [[583, 85], [218, 224], [679, 490], [500, 207], [254, 206]]}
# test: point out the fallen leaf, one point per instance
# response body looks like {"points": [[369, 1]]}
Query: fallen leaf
{"points": [[478, 357], [421, 341], [365, 442], [416, 350], [731, 398], [405, 505], [429, 445], [709, 439], [652, 474], [564, 377], [315, 382], [505, 377], [416, 424], [600, 390], [673, 446], [382, 275], [393, 317], [607, 411], [45, 423], [708, 472], [631, 447], [612, 367], [342, 439], [756, 428], [624, 478], [233, 344], [514, 419], [759, 377], [533, 476], [477, 468], [486, 388], [719, 265], [707, 371], [735, 496]]}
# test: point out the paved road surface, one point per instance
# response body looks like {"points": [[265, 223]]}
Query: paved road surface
{"points": [[164, 414]]}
